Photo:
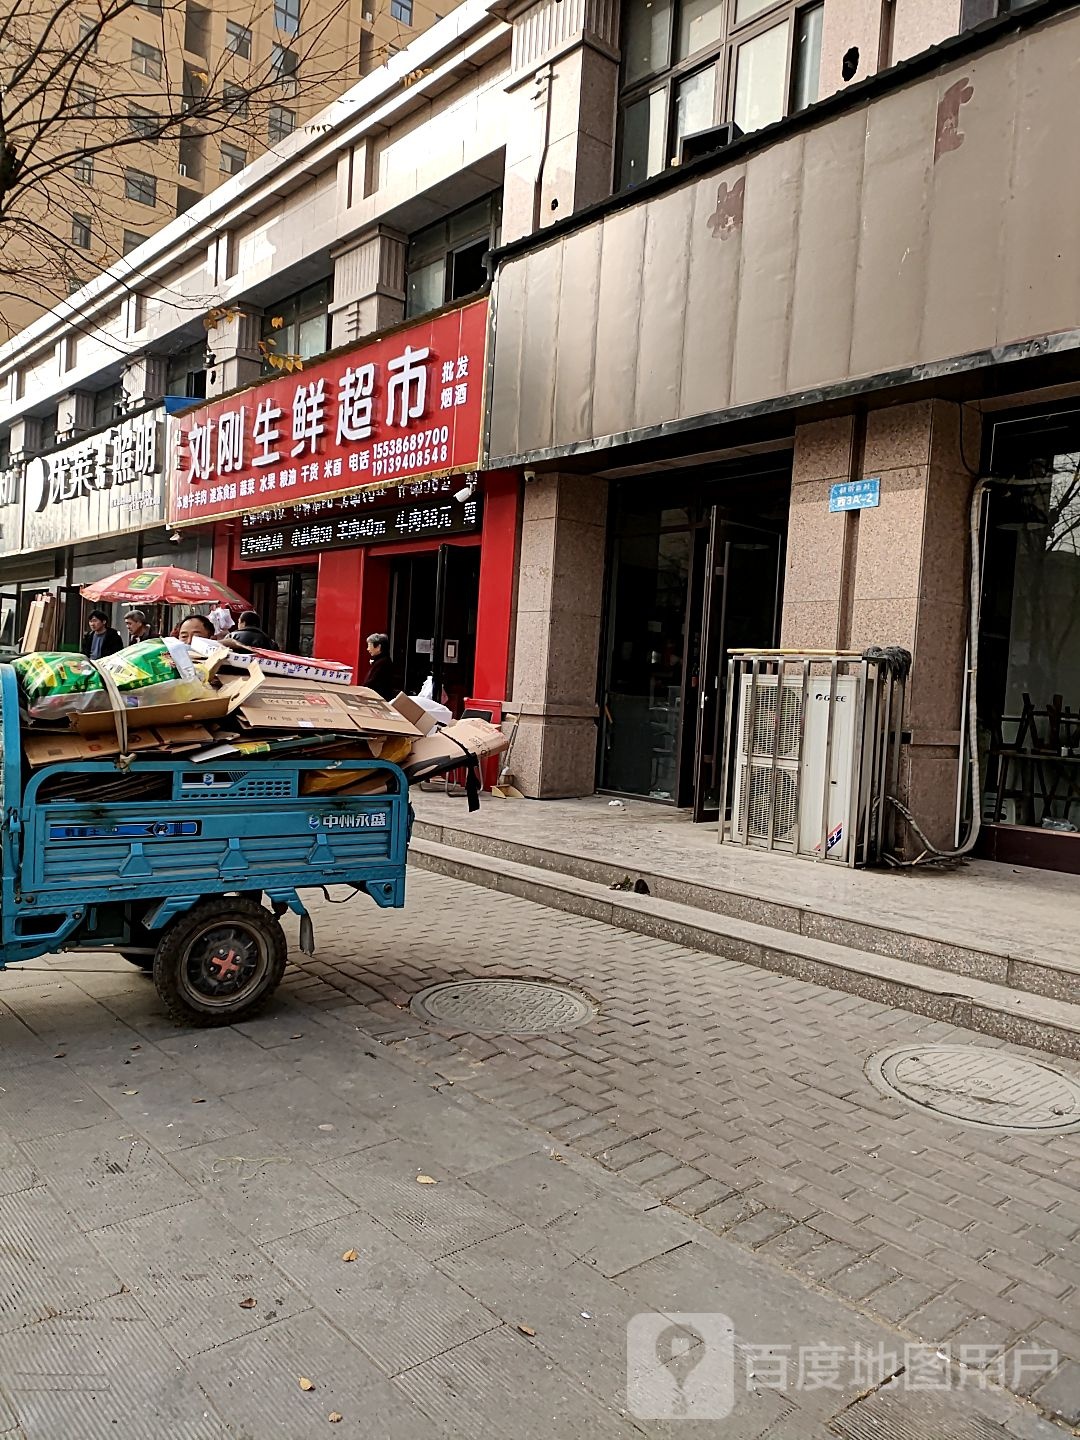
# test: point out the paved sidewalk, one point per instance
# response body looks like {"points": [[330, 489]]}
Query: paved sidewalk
{"points": [[175, 1205], [1023, 913]]}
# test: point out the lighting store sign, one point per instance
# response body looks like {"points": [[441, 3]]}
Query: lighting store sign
{"points": [[407, 406], [106, 484]]}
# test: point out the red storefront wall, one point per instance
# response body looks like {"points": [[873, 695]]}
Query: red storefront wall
{"points": [[352, 595]]}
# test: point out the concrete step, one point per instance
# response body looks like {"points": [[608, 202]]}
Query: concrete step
{"points": [[1049, 976], [969, 1001]]}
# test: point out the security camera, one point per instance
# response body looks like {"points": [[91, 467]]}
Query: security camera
{"points": [[466, 492], [174, 537], [530, 476]]}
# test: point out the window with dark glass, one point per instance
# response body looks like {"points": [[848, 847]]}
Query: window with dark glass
{"points": [[445, 261], [140, 186], [82, 170], [81, 231], [238, 39], [402, 10], [88, 33], [84, 98], [186, 374], [299, 325], [197, 28], [285, 66], [279, 123], [143, 122], [233, 159], [688, 65], [132, 241]]}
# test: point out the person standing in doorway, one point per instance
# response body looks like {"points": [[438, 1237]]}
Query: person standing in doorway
{"points": [[138, 627], [380, 676], [250, 633], [101, 639]]}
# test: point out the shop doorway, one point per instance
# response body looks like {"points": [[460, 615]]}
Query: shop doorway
{"points": [[433, 611], [687, 583], [285, 602], [1029, 643]]}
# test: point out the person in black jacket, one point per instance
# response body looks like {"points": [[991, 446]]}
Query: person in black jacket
{"points": [[101, 639], [380, 676], [250, 632]]}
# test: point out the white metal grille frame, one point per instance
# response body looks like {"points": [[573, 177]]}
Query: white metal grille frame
{"points": [[775, 739]]}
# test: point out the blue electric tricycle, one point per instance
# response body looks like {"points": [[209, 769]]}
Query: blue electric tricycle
{"points": [[185, 868]]}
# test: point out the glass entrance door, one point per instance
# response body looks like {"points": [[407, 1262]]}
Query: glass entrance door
{"points": [[741, 611], [433, 609]]}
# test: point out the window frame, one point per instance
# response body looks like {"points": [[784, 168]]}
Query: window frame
{"points": [[137, 115], [133, 180], [85, 98], [722, 55], [238, 39], [223, 147], [271, 116], [284, 68], [125, 248], [83, 225], [88, 26], [236, 100], [285, 8], [147, 60], [82, 170], [402, 5]]}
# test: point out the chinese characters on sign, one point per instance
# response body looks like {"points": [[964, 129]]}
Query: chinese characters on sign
{"points": [[365, 518], [408, 405], [106, 484], [855, 495]]}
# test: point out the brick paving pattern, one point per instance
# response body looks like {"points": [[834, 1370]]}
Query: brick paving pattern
{"points": [[175, 1205], [738, 1097]]}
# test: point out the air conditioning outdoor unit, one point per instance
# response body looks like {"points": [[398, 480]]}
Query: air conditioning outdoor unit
{"points": [[789, 729]]}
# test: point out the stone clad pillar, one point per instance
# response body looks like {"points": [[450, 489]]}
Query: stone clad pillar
{"points": [[369, 286], [74, 415], [234, 344], [557, 640], [25, 437], [894, 575]]}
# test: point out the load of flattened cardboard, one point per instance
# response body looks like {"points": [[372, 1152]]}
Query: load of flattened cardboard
{"points": [[158, 700]]}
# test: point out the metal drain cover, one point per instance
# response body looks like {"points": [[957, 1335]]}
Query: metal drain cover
{"points": [[992, 1089], [502, 1007]]}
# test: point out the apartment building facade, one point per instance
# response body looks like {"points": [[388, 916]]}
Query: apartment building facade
{"points": [[281, 61], [861, 273]]}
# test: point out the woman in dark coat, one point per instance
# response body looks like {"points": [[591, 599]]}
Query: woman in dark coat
{"points": [[101, 639], [380, 676]]}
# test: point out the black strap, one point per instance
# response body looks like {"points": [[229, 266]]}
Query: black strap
{"points": [[444, 763]]}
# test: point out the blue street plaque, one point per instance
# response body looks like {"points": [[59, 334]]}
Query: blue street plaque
{"points": [[855, 495]]}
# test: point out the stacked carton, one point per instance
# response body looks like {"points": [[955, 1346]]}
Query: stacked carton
{"points": [[246, 714]]}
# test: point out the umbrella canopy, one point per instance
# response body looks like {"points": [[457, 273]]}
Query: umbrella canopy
{"points": [[164, 585]]}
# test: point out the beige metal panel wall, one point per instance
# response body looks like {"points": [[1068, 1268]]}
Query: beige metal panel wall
{"points": [[936, 221]]}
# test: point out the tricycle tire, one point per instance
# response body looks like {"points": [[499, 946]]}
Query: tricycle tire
{"points": [[220, 961]]}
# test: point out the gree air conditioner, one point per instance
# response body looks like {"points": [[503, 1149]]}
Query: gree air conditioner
{"points": [[783, 742]]}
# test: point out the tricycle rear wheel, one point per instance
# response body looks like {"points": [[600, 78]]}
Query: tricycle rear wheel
{"points": [[220, 961]]}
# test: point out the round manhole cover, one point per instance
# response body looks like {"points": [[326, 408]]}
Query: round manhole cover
{"points": [[977, 1086], [502, 1007]]}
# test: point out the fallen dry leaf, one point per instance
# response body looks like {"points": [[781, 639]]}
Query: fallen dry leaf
{"points": [[248, 1304], [306, 1384], [426, 1180], [59, 1055], [136, 1047], [351, 1255], [198, 1102], [526, 1330], [335, 1416], [131, 1092], [299, 1036]]}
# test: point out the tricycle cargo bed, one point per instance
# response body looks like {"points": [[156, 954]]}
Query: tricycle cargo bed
{"points": [[245, 827]]}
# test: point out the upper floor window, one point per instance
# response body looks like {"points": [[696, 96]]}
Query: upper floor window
{"points": [[81, 231], [445, 261], [132, 241], [146, 59], [402, 10], [287, 16], [280, 122], [284, 67], [299, 325], [140, 186], [85, 101], [692, 64], [238, 39], [233, 159], [82, 170]]}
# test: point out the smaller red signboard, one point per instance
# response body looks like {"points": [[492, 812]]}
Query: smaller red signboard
{"points": [[402, 407]]}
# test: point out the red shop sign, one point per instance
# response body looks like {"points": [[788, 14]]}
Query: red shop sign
{"points": [[401, 408]]}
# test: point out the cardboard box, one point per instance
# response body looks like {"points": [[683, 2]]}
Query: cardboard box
{"points": [[276, 662], [442, 750], [297, 705], [56, 746], [229, 697], [423, 719]]}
